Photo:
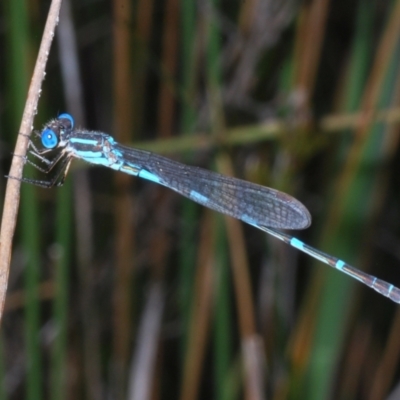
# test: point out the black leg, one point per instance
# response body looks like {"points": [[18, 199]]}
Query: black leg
{"points": [[27, 160], [57, 180], [39, 152], [49, 163]]}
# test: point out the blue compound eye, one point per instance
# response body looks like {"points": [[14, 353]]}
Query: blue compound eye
{"points": [[69, 118], [49, 139]]}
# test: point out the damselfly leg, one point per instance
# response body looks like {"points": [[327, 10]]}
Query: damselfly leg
{"points": [[59, 165]]}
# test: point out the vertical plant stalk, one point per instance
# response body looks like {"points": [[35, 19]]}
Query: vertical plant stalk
{"points": [[124, 206], [309, 46], [200, 315], [12, 196], [82, 223], [166, 101], [252, 347]]}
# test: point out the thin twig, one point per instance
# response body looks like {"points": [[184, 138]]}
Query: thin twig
{"points": [[11, 201]]}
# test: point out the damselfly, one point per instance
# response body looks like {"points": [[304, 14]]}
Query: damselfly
{"points": [[262, 207]]}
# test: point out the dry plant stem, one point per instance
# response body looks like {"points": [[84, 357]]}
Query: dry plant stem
{"points": [[330, 124], [12, 196]]}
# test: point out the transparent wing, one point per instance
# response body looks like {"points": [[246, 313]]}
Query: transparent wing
{"points": [[249, 202]]}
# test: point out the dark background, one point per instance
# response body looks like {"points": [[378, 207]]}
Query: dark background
{"points": [[123, 289]]}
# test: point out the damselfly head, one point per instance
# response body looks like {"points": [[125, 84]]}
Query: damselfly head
{"points": [[54, 130], [67, 120]]}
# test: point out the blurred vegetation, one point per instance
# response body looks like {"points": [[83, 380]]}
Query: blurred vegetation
{"points": [[122, 289]]}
